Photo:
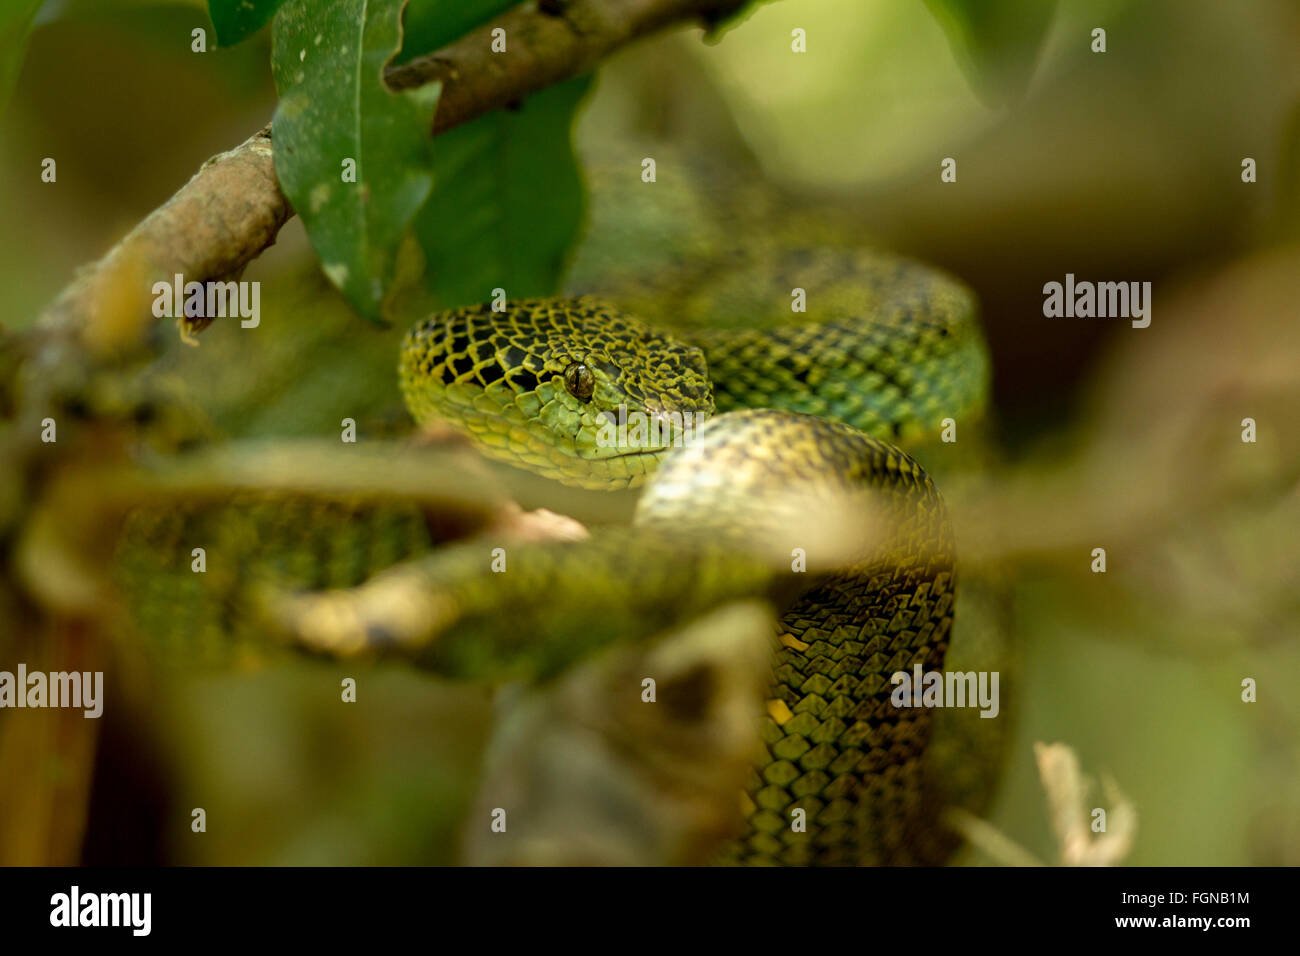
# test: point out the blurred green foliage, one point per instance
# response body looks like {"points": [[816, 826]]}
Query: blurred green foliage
{"points": [[334, 110], [15, 23], [511, 201], [470, 203], [997, 44], [431, 24], [236, 19]]}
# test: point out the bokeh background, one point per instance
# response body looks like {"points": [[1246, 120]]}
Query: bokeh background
{"points": [[1117, 166]]}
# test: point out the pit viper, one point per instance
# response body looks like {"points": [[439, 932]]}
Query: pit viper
{"points": [[799, 463], [764, 428]]}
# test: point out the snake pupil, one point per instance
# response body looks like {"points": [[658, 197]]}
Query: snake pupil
{"points": [[579, 381]]}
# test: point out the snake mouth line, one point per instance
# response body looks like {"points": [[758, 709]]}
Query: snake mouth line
{"points": [[643, 451], [651, 431]]}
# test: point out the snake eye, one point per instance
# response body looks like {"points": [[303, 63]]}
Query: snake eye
{"points": [[579, 381]]}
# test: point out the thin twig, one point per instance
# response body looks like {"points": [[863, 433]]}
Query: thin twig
{"points": [[541, 50]]}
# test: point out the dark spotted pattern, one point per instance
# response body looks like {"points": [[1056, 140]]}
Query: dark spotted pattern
{"points": [[500, 376], [887, 345], [880, 601]]}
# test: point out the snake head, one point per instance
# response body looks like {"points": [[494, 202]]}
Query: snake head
{"points": [[569, 388]]}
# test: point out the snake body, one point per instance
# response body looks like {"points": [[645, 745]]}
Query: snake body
{"points": [[799, 460], [803, 413]]}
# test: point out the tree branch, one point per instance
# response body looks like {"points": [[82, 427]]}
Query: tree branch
{"points": [[541, 50], [228, 212], [233, 207]]}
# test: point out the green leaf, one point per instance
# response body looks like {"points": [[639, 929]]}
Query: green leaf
{"points": [[509, 201], [236, 19], [432, 24], [996, 44], [328, 60], [16, 18]]}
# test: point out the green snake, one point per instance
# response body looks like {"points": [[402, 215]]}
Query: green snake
{"points": [[890, 347], [809, 405], [802, 413]]}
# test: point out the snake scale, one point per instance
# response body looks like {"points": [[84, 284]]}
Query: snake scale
{"points": [[798, 455]]}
